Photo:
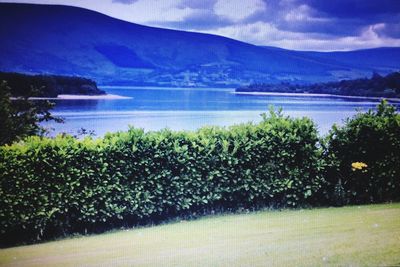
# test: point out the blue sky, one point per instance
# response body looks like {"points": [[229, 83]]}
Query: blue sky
{"points": [[322, 25]]}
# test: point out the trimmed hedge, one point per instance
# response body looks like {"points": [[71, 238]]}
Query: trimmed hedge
{"points": [[55, 187]]}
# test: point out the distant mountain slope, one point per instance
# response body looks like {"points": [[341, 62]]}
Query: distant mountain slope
{"points": [[384, 58], [75, 41]]}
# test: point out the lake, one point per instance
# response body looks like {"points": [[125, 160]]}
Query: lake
{"points": [[188, 109]]}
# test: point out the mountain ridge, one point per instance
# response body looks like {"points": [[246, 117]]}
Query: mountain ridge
{"points": [[64, 40]]}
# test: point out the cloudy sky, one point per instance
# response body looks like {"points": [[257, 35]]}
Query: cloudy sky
{"points": [[323, 25]]}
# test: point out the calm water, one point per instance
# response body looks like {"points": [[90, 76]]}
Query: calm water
{"points": [[189, 109]]}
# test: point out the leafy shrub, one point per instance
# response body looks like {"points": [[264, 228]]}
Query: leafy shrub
{"points": [[60, 186], [54, 187], [365, 156]]}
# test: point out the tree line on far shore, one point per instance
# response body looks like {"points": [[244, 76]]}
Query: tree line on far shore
{"points": [[376, 86], [50, 85]]}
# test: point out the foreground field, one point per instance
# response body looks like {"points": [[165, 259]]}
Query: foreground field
{"points": [[356, 236]]}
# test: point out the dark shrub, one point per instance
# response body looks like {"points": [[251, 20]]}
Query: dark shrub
{"points": [[364, 156]]}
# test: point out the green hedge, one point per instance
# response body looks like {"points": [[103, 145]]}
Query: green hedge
{"points": [[372, 138], [53, 187], [56, 187]]}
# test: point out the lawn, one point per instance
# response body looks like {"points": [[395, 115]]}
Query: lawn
{"points": [[356, 236]]}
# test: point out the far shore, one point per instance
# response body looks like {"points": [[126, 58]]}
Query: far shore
{"points": [[80, 97], [313, 94]]}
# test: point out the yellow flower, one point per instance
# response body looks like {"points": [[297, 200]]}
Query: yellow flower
{"points": [[358, 166]]}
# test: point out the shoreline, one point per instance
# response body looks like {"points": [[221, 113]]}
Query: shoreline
{"points": [[80, 97], [316, 94]]}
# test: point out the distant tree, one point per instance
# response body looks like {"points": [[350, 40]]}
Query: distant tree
{"points": [[21, 117]]}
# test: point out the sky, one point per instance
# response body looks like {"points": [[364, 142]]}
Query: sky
{"points": [[319, 25]]}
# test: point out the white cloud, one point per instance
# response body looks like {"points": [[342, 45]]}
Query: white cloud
{"points": [[303, 13], [262, 33], [143, 11], [237, 10]]}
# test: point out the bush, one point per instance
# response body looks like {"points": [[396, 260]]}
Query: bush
{"points": [[60, 186], [365, 156], [54, 187]]}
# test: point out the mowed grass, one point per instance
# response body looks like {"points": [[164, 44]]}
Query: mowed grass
{"points": [[349, 236]]}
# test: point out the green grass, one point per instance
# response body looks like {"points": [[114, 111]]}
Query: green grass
{"points": [[356, 236]]}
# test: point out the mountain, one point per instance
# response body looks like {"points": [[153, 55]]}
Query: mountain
{"points": [[63, 40]]}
